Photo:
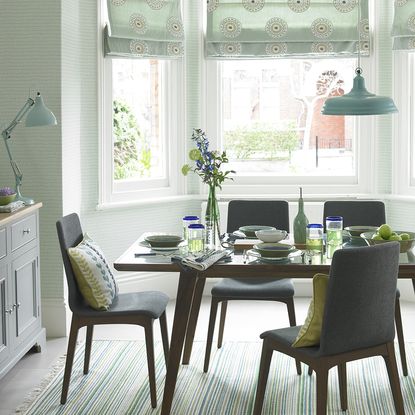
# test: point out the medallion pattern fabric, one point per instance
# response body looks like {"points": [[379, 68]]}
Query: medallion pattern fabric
{"points": [[93, 274], [144, 29], [286, 28], [117, 384], [403, 30]]}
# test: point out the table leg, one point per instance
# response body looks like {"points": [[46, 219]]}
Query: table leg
{"points": [[413, 283], [194, 314], [185, 291]]}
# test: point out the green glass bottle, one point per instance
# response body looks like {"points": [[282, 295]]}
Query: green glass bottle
{"points": [[300, 222]]}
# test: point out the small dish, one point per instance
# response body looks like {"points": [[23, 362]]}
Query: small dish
{"points": [[356, 230], [163, 241], [271, 235], [274, 250], [249, 230]]}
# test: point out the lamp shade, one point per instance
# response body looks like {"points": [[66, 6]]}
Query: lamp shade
{"points": [[359, 101], [40, 114]]}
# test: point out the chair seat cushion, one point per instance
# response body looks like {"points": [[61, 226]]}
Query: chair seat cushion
{"points": [[286, 337], [146, 303], [254, 288]]}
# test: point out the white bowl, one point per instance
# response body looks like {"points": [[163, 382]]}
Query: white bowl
{"points": [[271, 235]]}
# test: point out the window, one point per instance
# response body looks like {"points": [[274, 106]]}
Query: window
{"points": [[138, 155], [269, 122]]}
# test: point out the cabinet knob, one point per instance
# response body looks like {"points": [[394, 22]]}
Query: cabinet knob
{"points": [[9, 311], [27, 230], [17, 305]]}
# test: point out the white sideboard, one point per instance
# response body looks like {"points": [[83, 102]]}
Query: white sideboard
{"points": [[20, 316]]}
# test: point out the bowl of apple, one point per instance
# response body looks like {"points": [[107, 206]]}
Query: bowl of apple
{"points": [[385, 233]]}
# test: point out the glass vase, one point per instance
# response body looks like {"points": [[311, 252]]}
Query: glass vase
{"points": [[212, 219]]}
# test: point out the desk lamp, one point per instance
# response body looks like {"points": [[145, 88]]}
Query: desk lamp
{"points": [[37, 115]]}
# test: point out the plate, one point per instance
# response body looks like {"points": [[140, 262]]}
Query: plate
{"points": [[163, 240], [274, 250], [162, 248], [270, 260]]}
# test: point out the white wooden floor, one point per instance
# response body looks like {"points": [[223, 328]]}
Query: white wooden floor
{"points": [[242, 323]]}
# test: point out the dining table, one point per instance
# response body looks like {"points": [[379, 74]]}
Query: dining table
{"points": [[191, 284]]}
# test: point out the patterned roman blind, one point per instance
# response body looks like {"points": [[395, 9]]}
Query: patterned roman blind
{"points": [[144, 29], [403, 30], [271, 28]]}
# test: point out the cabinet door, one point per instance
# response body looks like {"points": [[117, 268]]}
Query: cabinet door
{"points": [[25, 295], [5, 310]]}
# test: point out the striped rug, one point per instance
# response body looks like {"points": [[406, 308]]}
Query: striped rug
{"points": [[117, 384]]}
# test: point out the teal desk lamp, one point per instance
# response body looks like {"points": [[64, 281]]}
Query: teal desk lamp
{"points": [[37, 115], [359, 101]]}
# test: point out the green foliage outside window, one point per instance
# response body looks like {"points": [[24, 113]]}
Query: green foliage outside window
{"points": [[132, 152], [261, 141]]}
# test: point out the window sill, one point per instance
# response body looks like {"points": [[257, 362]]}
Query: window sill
{"points": [[146, 202]]}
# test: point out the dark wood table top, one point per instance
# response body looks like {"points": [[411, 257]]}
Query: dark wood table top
{"points": [[296, 267]]}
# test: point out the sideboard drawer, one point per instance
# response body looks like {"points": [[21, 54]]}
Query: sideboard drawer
{"points": [[24, 231], [3, 243]]}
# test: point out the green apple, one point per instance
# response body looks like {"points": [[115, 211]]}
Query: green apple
{"points": [[395, 238], [377, 237], [405, 236], [385, 231]]}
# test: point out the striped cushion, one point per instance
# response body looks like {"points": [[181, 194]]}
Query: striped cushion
{"points": [[93, 274]]}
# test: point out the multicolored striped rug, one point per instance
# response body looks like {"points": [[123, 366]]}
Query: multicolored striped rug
{"points": [[117, 384]]}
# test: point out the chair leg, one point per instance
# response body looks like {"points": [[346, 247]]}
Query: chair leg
{"points": [[223, 309], [401, 341], [322, 380], [73, 335], [266, 357], [150, 362], [392, 368], [341, 369], [88, 345], [291, 318], [211, 329], [164, 336]]}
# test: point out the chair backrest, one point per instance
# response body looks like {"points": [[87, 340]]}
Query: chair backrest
{"points": [[356, 212], [70, 234], [258, 212], [360, 302]]}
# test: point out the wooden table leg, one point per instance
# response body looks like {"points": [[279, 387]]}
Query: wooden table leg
{"points": [[413, 283], [194, 314], [187, 282]]}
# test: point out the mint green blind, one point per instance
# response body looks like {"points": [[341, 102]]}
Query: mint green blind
{"points": [[403, 30], [291, 28], [144, 29]]}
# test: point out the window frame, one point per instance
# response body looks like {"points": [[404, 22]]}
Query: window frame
{"points": [[317, 185], [403, 124]]}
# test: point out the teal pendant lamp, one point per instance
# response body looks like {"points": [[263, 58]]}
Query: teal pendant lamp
{"points": [[37, 115], [359, 101]]}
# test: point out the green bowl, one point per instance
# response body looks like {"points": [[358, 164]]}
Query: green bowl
{"points": [[405, 246], [5, 200], [356, 230], [163, 241], [250, 230], [274, 250]]}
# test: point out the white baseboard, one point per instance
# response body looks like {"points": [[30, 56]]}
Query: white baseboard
{"points": [[55, 317]]}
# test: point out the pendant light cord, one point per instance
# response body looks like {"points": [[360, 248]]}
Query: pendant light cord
{"points": [[359, 70]]}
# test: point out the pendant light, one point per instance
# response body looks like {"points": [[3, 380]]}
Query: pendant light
{"points": [[359, 101]]}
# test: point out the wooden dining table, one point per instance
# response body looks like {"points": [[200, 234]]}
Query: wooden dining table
{"points": [[192, 282]]}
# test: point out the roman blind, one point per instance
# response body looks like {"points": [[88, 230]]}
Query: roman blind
{"points": [[290, 28], [144, 29], [403, 30]]}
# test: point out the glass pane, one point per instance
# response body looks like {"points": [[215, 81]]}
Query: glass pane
{"points": [[271, 117], [139, 150]]}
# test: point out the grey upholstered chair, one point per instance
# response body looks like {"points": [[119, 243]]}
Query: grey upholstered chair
{"points": [[373, 213], [140, 308], [251, 212], [357, 323]]}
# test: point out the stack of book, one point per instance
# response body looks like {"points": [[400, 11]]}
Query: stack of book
{"points": [[12, 206]]}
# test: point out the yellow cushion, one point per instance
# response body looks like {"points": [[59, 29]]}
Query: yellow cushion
{"points": [[309, 334], [93, 274]]}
